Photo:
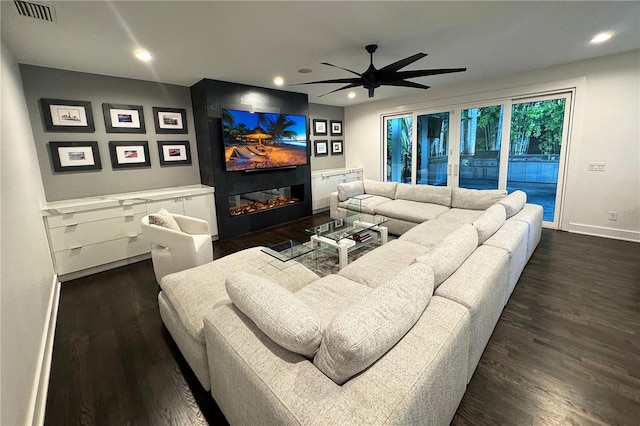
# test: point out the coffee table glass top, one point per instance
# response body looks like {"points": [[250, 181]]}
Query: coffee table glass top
{"points": [[345, 228], [287, 250]]}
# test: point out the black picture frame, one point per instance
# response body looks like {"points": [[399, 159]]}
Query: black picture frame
{"points": [[320, 148], [320, 127], [60, 115], [174, 153], [122, 118], [337, 147], [170, 120], [335, 127], [67, 156], [129, 154]]}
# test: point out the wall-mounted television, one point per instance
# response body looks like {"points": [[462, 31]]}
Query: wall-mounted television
{"points": [[260, 140]]}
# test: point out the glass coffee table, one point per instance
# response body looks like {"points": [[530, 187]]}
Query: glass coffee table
{"points": [[349, 234]]}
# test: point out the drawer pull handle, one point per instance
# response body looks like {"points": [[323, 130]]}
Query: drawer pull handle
{"points": [[132, 235], [71, 225], [75, 248]]}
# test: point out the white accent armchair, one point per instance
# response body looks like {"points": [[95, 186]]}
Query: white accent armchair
{"points": [[174, 251]]}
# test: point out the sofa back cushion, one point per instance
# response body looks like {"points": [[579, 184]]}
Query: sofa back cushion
{"points": [[476, 199], [276, 311], [450, 253], [364, 331], [347, 190], [514, 202], [383, 189], [424, 193], [489, 222]]}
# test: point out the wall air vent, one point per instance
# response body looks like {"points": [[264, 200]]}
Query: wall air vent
{"points": [[40, 11]]}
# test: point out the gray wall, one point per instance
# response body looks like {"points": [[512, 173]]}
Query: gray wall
{"points": [[326, 112], [27, 271], [42, 82]]}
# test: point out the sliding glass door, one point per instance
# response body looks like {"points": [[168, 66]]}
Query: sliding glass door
{"points": [[432, 156], [398, 149]]}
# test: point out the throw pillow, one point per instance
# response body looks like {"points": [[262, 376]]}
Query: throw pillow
{"points": [[276, 311], [450, 253], [163, 218], [367, 329], [347, 190], [489, 222]]}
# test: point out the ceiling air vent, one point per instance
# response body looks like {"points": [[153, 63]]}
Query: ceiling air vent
{"points": [[40, 11]]}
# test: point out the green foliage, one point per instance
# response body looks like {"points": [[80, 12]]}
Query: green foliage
{"points": [[542, 120]]}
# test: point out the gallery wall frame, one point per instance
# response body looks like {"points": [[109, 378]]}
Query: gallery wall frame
{"points": [[335, 127], [336, 147], [74, 156], [62, 115], [121, 118], [170, 120], [129, 154], [174, 153], [319, 127], [320, 148]]}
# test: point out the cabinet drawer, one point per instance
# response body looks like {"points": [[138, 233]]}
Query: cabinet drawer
{"points": [[173, 205], [68, 261], [82, 234], [94, 215]]}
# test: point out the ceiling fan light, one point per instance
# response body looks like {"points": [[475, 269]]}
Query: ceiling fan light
{"points": [[351, 95]]}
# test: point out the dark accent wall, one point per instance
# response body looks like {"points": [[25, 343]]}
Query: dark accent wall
{"points": [[209, 97]]}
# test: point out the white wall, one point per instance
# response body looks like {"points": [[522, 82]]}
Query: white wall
{"points": [[606, 129], [27, 275]]}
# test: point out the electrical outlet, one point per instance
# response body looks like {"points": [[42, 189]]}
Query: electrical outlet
{"points": [[613, 215], [596, 167]]}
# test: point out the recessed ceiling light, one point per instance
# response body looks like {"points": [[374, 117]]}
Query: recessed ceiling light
{"points": [[601, 38], [143, 55], [351, 95], [278, 81], [304, 70]]}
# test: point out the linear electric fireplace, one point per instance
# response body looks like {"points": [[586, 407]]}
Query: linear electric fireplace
{"points": [[258, 201]]}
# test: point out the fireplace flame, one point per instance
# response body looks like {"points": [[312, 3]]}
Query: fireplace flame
{"points": [[255, 206]]}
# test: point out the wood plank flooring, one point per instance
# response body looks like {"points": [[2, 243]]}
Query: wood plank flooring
{"points": [[566, 349]]}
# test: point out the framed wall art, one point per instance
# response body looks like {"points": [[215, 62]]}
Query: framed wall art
{"points": [[125, 154], [170, 120], [176, 153], [336, 128], [336, 147], [75, 156], [67, 116], [119, 118], [319, 127], [320, 148]]}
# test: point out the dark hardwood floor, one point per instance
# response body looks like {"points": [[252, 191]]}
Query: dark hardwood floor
{"points": [[566, 349]]}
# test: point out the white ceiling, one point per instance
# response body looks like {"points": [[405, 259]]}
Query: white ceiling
{"points": [[251, 42]]}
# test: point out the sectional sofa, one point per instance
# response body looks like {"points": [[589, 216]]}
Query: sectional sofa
{"points": [[393, 338]]}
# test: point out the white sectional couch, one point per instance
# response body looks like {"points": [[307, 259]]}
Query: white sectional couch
{"points": [[393, 338]]}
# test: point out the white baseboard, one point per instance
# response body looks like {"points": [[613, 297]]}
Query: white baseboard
{"points": [[38, 403], [601, 231]]}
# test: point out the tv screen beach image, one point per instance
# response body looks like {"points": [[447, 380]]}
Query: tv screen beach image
{"points": [[263, 140]]}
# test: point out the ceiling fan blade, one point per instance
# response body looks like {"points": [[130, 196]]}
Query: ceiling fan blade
{"points": [[424, 73], [335, 66], [348, 86], [338, 80], [401, 63], [404, 83]]}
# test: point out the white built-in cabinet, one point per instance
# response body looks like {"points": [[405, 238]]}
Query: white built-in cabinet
{"points": [[88, 235], [324, 182]]}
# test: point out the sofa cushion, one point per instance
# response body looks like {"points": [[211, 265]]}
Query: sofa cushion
{"points": [[364, 205], [452, 251], [331, 294], [424, 193], [476, 199], [514, 202], [383, 189], [431, 232], [364, 331], [380, 265], [165, 219], [489, 222], [347, 190], [412, 211], [460, 216], [276, 311]]}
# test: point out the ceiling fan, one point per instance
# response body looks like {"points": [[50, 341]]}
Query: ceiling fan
{"points": [[390, 75]]}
